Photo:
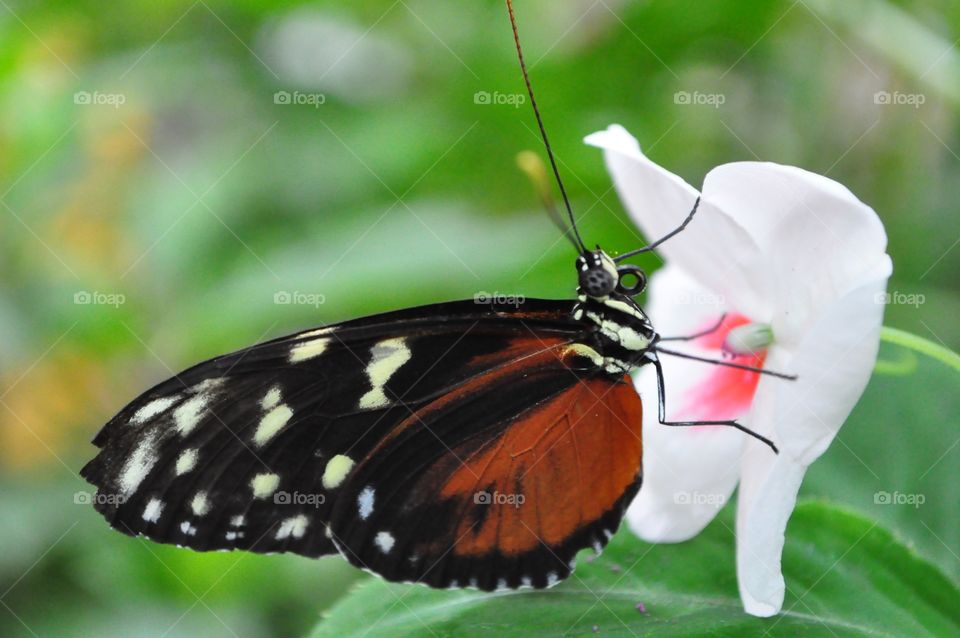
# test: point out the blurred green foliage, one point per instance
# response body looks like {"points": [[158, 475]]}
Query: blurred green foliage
{"points": [[145, 159]]}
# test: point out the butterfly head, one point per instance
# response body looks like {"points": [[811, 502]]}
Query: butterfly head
{"points": [[600, 277]]}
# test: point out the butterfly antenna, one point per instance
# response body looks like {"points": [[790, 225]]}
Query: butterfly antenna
{"points": [[543, 130], [531, 164]]}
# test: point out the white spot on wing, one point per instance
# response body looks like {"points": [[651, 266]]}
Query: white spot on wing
{"points": [[188, 529], [384, 541], [153, 510], [152, 409], [200, 504], [208, 385], [387, 357], [138, 465], [264, 485], [337, 469], [188, 415], [271, 423], [306, 350], [186, 461], [232, 535], [295, 527], [552, 579], [271, 398], [316, 333], [365, 502], [237, 521]]}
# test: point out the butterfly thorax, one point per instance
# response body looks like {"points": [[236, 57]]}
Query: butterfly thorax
{"points": [[618, 330]]}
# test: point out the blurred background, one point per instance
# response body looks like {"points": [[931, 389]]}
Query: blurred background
{"points": [[181, 179]]}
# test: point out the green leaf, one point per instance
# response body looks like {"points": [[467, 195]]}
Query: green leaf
{"points": [[846, 576], [897, 457]]}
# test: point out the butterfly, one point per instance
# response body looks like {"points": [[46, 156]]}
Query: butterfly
{"points": [[456, 444]]}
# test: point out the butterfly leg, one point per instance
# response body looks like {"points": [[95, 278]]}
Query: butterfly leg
{"points": [[662, 413], [728, 364]]}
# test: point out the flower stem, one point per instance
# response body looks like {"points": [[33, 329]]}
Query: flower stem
{"points": [[921, 345]]}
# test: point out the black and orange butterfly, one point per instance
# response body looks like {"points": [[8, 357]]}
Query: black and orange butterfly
{"points": [[455, 445]]}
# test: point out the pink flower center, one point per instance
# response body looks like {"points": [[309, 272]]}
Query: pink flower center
{"points": [[723, 393]]}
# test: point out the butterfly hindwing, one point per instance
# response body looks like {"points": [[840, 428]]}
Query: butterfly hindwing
{"points": [[249, 450], [499, 484]]}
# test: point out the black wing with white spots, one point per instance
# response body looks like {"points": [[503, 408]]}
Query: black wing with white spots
{"points": [[249, 450]]}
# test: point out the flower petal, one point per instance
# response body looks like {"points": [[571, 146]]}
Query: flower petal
{"points": [[714, 249], [834, 361], [818, 240], [688, 473]]}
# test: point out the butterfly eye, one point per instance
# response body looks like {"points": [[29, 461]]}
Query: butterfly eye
{"points": [[632, 280], [597, 282]]}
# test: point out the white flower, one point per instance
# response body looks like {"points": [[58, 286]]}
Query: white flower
{"points": [[798, 263]]}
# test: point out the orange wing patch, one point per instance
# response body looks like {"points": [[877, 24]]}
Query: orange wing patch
{"points": [[553, 471]]}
